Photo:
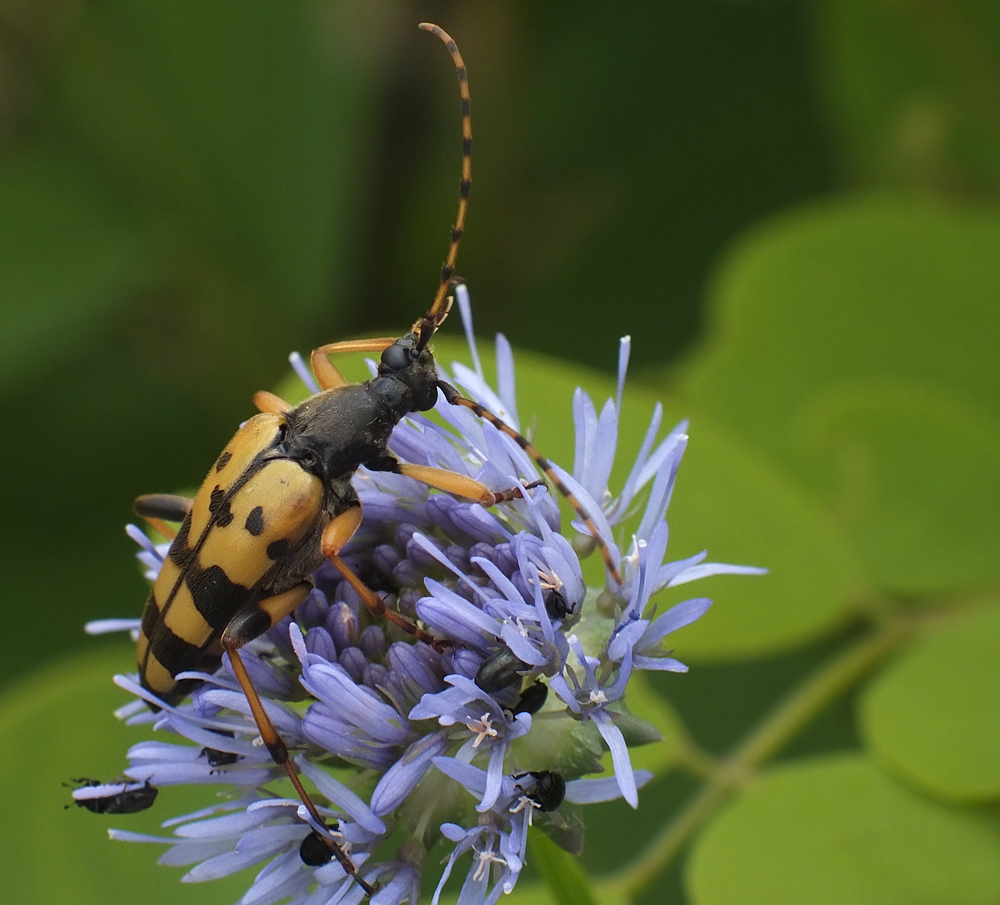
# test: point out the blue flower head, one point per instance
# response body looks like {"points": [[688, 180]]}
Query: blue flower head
{"points": [[421, 742]]}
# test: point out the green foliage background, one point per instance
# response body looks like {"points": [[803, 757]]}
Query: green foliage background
{"points": [[791, 206]]}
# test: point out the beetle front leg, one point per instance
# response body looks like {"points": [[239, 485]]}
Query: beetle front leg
{"points": [[327, 373], [335, 537]]}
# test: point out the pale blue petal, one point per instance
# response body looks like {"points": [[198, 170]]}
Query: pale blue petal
{"points": [[612, 735], [521, 647], [402, 777], [669, 571], [605, 447], [505, 377], [219, 866], [592, 509], [676, 617], [663, 486], [303, 373], [585, 424], [665, 449], [713, 568], [619, 510], [624, 353], [664, 664], [494, 776], [341, 796], [559, 685], [592, 791], [465, 310], [466, 775]]}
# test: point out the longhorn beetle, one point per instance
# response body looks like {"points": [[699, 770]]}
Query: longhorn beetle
{"points": [[278, 502]]}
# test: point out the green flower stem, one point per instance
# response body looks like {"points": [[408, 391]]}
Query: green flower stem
{"points": [[695, 760], [783, 724]]}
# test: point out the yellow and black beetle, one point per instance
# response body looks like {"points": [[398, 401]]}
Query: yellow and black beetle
{"points": [[278, 502]]}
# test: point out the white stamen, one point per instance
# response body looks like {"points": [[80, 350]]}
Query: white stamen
{"points": [[550, 581], [483, 729], [485, 859], [525, 802]]}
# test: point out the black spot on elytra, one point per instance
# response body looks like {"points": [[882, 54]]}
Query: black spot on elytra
{"points": [[180, 552], [223, 461], [219, 507], [255, 521], [278, 549]]}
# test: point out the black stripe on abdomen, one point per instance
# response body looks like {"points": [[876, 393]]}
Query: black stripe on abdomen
{"points": [[173, 654], [215, 595]]}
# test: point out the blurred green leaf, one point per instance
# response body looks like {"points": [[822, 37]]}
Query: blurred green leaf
{"points": [[731, 501], [914, 90], [863, 295], [56, 725], [838, 830], [912, 476], [230, 129], [645, 703], [68, 258], [934, 714], [566, 881]]}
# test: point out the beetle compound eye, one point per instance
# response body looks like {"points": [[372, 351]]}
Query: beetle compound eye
{"points": [[396, 358]]}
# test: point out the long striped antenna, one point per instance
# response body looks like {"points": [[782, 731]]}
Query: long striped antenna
{"points": [[442, 302], [453, 397]]}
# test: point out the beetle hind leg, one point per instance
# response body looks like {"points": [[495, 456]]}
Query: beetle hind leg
{"points": [[243, 628], [159, 508]]}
